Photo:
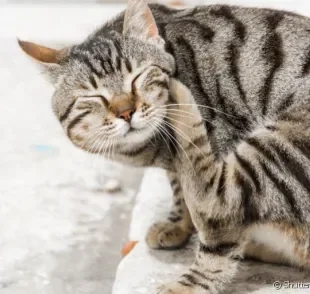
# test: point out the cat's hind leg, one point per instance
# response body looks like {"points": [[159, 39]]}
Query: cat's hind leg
{"points": [[280, 243]]}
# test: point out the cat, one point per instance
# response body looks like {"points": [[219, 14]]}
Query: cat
{"points": [[219, 97]]}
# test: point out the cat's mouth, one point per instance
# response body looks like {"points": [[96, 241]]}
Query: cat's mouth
{"points": [[130, 129]]}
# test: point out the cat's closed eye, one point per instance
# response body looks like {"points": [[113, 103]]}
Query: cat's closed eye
{"points": [[103, 99], [91, 102]]}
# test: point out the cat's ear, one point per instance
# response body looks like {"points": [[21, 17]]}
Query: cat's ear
{"points": [[48, 59], [139, 22]]}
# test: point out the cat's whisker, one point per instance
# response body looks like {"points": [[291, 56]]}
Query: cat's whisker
{"points": [[109, 148], [164, 133], [184, 136], [203, 106], [97, 135], [94, 137], [113, 149], [153, 132], [90, 136], [154, 125], [172, 119], [104, 148], [182, 113], [99, 138], [168, 134]]}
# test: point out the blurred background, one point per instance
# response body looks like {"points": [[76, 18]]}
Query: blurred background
{"points": [[64, 214]]}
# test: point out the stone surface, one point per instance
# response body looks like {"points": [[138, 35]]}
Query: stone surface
{"points": [[143, 270]]}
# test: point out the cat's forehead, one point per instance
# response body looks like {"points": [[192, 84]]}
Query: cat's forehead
{"points": [[109, 66], [102, 77]]}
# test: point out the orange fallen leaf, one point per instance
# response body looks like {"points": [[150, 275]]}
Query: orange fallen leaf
{"points": [[128, 247]]}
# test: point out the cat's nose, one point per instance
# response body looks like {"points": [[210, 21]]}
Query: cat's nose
{"points": [[127, 114]]}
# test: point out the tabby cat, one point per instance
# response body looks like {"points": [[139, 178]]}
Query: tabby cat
{"points": [[218, 96]]}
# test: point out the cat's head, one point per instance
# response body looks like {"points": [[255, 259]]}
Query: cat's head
{"points": [[112, 88]]}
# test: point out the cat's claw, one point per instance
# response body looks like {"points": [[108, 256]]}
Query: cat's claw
{"points": [[167, 235]]}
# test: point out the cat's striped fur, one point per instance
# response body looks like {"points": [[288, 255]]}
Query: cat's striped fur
{"points": [[219, 97]]}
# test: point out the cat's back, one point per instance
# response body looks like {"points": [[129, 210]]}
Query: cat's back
{"points": [[250, 63]]}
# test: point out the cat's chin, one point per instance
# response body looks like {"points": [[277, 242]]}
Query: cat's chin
{"points": [[135, 135]]}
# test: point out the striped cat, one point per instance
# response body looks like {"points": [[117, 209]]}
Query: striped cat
{"points": [[219, 97]]}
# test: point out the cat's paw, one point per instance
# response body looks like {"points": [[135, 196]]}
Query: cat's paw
{"points": [[178, 288], [167, 235]]}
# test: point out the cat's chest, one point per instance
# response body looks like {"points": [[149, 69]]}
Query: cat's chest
{"points": [[200, 205], [191, 182]]}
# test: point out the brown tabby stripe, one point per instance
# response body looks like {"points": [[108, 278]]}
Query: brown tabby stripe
{"points": [[105, 102], [241, 124], [226, 13], [302, 146], [178, 202], [283, 188], [173, 183], [293, 166], [92, 80], [161, 84], [67, 112], [233, 59], [193, 281], [189, 62], [184, 284], [76, 120], [108, 66], [210, 183], [204, 31], [220, 249], [201, 275], [250, 211], [102, 65], [176, 190], [109, 60], [285, 103], [272, 52], [174, 219], [117, 48], [274, 19], [215, 224], [264, 151], [306, 66], [118, 63], [251, 172], [128, 65], [198, 159], [87, 62], [220, 191]]}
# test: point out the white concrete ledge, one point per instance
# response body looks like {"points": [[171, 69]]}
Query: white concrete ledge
{"points": [[143, 270]]}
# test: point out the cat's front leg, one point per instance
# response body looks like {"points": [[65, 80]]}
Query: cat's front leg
{"points": [[214, 268], [175, 231]]}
